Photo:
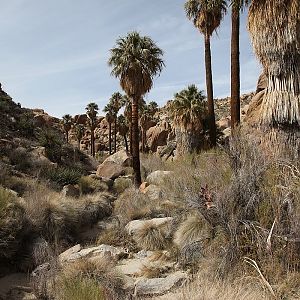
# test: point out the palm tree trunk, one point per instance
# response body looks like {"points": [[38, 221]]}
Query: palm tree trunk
{"points": [[109, 137], [67, 136], [126, 143], [135, 141], [78, 144], [210, 94], [130, 133], [235, 67], [115, 135], [92, 143]]}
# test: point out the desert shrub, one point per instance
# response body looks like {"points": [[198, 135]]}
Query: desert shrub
{"points": [[13, 224], [26, 124], [52, 142], [121, 184], [151, 237], [89, 185], [153, 271], [151, 163], [20, 158], [62, 175]]}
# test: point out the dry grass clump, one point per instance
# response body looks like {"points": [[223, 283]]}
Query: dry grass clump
{"points": [[151, 237], [99, 275], [194, 228], [151, 163], [153, 271], [117, 236], [206, 288], [133, 205], [59, 219], [88, 185]]}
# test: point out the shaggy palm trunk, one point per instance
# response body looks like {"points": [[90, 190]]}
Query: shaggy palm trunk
{"points": [[67, 136], [109, 137], [274, 28], [143, 130], [115, 135], [188, 141], [235, 68], [135, 141], [210, 94], [92, 143], [78, 144], [126, 143]]}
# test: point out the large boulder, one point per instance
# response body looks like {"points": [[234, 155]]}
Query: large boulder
{"points": [[157, 286], [115, 165], [158, 177], [157, 135]]}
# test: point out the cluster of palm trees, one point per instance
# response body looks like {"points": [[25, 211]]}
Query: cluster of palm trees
{"points": [[136, 60]]}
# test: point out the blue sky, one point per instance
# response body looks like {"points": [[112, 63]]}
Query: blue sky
{"points": [[53, 53]]}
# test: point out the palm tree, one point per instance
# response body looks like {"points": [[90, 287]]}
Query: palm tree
{"points": [[136, 60], [274, 30], [188, 111], [206, 16], [128, 116], [79, 132], [110, 119], [116, 101], [236, 7], [67, 123], [92, 111], [123, 129]]}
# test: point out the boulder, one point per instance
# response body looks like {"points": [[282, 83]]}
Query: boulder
{"points": [[70, 191], [110, 170], [153, 192], [115, 165], [65, 256], [224, 123], [167, 151], [253, 113], [157, 135], [92, 253], [262, 83], [156, 286], [136, 225], [38, 157], [158, 177]]}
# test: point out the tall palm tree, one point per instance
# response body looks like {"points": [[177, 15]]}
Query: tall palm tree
{"points": [[116, 101], [79, 132], [274, 28], [128, 116], [188, 111], [136, 60], [67, 123], [236, 7], [110, 119], [92, 111], [206, 16], [123, 129]]}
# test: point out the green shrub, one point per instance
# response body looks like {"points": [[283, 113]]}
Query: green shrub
{"points": [[80, 288], [26, 125], [52, 143], [62, 175], [20, 159]]}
